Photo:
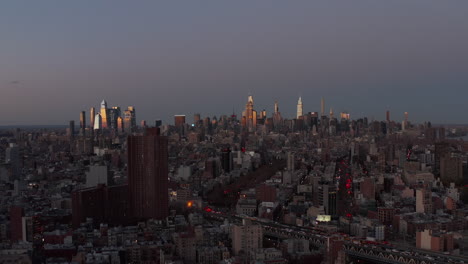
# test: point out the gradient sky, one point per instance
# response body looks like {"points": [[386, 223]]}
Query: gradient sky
{"points": [[180, 57]]}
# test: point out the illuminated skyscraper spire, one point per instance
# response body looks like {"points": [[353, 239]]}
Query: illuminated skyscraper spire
{"points": [[276, 107], [299, 108], [250, 99], [249, 116]]}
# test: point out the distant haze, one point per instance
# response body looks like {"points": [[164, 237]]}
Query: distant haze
{"points": [[58, 58]]}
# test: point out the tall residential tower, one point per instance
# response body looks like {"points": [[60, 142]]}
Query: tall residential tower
{"points": [[148, 175], [104, 115], [92, 115], [299, 108], [82, 123]]}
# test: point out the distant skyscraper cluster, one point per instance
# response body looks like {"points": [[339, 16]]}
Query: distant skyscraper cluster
{"points": [[107, 119], [317, 122]]}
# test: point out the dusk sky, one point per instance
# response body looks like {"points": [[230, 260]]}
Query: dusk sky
{"points": [[58, 58]]}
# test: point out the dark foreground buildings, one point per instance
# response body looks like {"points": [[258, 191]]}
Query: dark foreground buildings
{"points": [[145, 196], [147, 175]]}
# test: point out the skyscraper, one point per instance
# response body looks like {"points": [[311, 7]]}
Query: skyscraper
{"points": [[129, 119], [148, 175], [97, 122], [247, 237], [196, 119], [120, 124], [249, 116], [451, 169], [92, 115], [276, 117], [404, 125], [179, 120], [104, 115], [114, 114], [226, 159], [158, 123], [388, 116], [82, 123], [71, 129], [299, 108]]}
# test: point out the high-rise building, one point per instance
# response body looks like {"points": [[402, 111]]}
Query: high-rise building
{"points": [[158, 123], [196, 119], [129, 119], [143, 123], [82, 123], [299, 108], [451, 169], [247, 237], [16, 215], [226, 159], [104, 204], [327, 197], [179, 120], [120, 124], [71, 129], [114, 114], [97, 122], [388, 116], [277, 119], [249, 116], [314, 119], [424, 200], [104, 115], [148, 175], [92, 115], [345, 116], [441, 149]]}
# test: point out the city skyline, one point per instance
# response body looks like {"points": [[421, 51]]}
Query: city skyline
{"points": [[329, 111], [169, 120], [331, 132], [363, 57]]}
